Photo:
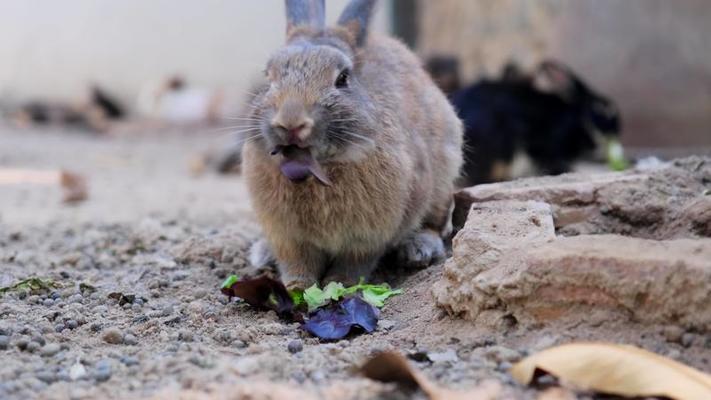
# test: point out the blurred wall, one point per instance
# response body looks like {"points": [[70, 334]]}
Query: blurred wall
{"points": [[54, 49], [652, 56]]}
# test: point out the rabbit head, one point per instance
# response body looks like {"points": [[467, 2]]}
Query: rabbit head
{"points": [[315, 110], [600, 113]]}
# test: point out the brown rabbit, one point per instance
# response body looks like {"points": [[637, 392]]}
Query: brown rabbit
{"points": [[356, 155]]}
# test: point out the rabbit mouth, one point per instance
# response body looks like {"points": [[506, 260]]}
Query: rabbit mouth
{"points": [[298, 164]]}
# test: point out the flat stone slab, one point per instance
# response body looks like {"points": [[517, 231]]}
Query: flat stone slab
{"points": [[670, 202], [507, 263]]}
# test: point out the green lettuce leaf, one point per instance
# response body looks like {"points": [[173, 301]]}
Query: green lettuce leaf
{"points": [[372, 294]]}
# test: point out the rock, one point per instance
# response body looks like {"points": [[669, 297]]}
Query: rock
{"points": [[22, 344], [507, 263], [103, 371], [59, 328], [72, 324], [129, 361], [501, 354], [39, 339], [32, 346], [4, 342], [492, 242], [386, 324], [77, 371], [687, 339], [295, 346], [658, 204], [673, 334], [50, 350], [650, 281], [47, 377], [449, 356], [48, 302], [77, 298], [113, 336], [186, 336], [130, 340]]}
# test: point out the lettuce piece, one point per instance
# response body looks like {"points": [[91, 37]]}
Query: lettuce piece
{"points": [[373, 294], [315, 297], [340, 319]]}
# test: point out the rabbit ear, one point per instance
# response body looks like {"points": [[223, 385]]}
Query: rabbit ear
{"points": [[356, 17], [309, 13]]}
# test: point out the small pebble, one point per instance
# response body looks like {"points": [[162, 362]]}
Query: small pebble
{"points": [[505, 366], [186, 336], [687, 339], [63, 375], [32, 346], [386, 324], [299, 377], [22, 344], [4, 342], [318, 376], [50, 350], [113, 336], [47, 377], [39, 339], [55, 295], [59, 328], [72, 324], [130, 340], [103, 370], [295, 346], [96, 327], [48, 303], [673, 334], [77, 298], [129, 361]]}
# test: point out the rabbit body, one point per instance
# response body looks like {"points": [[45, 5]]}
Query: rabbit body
{"points": [[391, 190]]}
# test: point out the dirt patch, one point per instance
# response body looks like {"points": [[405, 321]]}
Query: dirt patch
{"points": [[165, 240]]}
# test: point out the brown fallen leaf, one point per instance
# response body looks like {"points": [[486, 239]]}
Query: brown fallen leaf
{"points": [[393, 367], [74, 187], [616, 370]]}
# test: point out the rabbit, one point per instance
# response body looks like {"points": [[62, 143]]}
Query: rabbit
{"points": [[550, 119], [356, 153]]}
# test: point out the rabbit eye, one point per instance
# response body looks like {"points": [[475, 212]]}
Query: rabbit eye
{"points": [[342, 80]]}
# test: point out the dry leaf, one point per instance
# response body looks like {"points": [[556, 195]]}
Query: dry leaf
{"points": [[74, 187], [393, 367], [616, 370]]}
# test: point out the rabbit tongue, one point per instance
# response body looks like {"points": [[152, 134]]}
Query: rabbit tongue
{"points": [[299, 164]]}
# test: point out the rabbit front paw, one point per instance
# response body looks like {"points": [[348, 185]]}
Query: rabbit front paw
{"points": [[421, 249]]}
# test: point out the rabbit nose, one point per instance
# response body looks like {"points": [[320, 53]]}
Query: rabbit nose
{"points": [[293, 135]]}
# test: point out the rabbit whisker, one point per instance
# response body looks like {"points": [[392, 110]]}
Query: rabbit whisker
{"points": [[361, 137]]}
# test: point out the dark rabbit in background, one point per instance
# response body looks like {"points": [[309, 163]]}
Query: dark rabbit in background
{"points": [[522, 125]]}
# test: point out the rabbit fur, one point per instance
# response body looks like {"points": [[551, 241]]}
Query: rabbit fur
{"points": [[356, 154]]}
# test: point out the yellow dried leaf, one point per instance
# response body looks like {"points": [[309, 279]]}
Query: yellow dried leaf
{"points": [[617, 370]]}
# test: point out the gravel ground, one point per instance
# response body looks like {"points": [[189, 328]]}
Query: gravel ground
{"points": [[137, 310]]}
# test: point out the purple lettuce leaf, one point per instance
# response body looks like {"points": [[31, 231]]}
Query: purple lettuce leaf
{"points": [[338, 320]]}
